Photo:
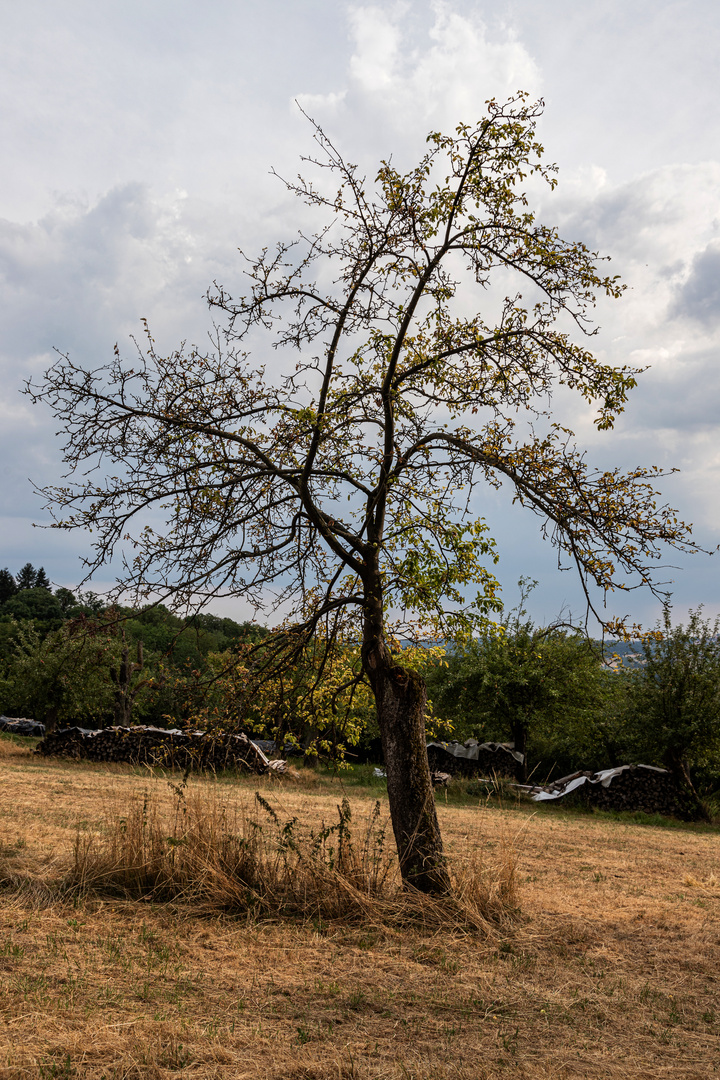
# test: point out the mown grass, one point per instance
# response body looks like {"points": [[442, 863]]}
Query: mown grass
{"points": [[360, 781], [610, 972]]}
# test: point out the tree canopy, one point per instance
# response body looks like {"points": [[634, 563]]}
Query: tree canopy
{"points": [[339, 485], [673, 695], [519, 681]]}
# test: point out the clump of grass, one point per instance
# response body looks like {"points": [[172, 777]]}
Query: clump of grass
{"points": [[489, 888], [485, 791], [13, 746], [205, 853]]}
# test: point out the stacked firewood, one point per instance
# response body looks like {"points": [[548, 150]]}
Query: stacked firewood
{"points": [[157, 746], [639, 788], [632, 787], [498, 761], [20, 725]]}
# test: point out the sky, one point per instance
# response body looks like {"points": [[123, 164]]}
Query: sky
{"points": [[137, 143]]}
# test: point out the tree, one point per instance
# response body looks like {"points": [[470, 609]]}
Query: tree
{"points": [[127, 688], [67, 600], [62, 677], [27, 577], [41, 579], [8, 587], [37, 604], [673, 698], [316, 705], [340, 485], [521, 680]]}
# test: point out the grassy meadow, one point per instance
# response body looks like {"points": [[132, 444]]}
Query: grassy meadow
{"points": [[580, 945]]}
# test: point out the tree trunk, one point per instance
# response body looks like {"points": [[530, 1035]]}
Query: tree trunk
{"points": [[51, 718], [401, 698], [519, 734], [122, 677], [676, 762]]}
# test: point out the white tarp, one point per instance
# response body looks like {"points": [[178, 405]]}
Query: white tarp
{"points": [[470, 750], [571, 783]]}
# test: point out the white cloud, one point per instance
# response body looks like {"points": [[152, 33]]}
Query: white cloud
{"points": [[408, 74], [120, 108], [661, 231]]}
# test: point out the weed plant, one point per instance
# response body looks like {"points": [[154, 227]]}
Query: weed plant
{"points": [[208, 854]]}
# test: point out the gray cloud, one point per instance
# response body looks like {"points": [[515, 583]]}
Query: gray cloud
{"points": [[78, 280], [84, 275], [699, 296], [158, 124]]}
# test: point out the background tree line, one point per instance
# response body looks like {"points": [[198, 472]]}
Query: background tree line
{"points": [[571, 703], [68, 658], [558, 696]]}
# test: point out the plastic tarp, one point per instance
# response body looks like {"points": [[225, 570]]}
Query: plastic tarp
{"points": [[470, 750], [571, 783], [21, 726]]}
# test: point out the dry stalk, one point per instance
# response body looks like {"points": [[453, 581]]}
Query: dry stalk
{"points": [[217, 858]]}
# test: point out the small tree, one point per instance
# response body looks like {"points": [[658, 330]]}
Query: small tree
{"points": [[27, 577], [8, 586], [673, 702], [41, 579], [124, 674], [520, 680], [318, 705], [340, 486], [62, 677]]}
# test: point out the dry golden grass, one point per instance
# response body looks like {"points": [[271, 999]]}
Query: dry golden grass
{"points": [[612, 971], [217, 857]]}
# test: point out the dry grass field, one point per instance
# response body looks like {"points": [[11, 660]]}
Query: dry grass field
{"points": [[610, 969]]}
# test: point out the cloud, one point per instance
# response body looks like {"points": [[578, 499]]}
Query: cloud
{"points": [[131, 108], [80, 279], [661, 231], [447, 80], [83, 276], [408, 73], [698, 297]]}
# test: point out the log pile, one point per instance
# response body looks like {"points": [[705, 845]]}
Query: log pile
{"points": [[21, 726], [630, 787], [473, 758], [158, 746]]}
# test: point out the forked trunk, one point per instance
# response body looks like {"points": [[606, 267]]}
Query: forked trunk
{"points": [[401, 698], [676, 762]]}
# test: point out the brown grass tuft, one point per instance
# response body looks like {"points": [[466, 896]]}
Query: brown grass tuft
{"points": [[13, 746], [220, 859]]}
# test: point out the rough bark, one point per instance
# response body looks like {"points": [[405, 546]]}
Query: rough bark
{"points": [[519, 734], [122, 677], [401, 698]]}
